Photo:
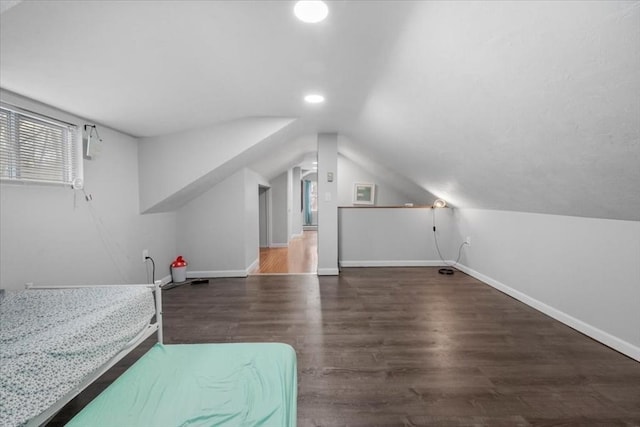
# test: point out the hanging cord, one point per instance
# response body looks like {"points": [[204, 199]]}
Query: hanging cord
{"points": [[103, 233], [447, 271], [91, 129], [153, 276]]}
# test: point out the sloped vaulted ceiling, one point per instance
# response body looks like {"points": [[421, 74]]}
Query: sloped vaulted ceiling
{"points": [[530, 106], [526, 106]]}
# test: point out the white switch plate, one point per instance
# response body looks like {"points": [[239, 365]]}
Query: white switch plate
{"points": [[145, 254]]}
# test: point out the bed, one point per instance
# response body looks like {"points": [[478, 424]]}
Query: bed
{"points": [[244, 384], [55, 341], [80, 334]]}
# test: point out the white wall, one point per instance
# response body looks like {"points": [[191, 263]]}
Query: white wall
{"points": [[376, 237], [296, 195], [218, 232], [385, 195], [192, 162], [279, 210], [49, 239], [263, 211], [251, 212], [328, 204], [289, 204], [583, 271], [211, 228]]}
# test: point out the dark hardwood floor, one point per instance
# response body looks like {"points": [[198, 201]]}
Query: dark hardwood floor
{"points": [[408, 347]]}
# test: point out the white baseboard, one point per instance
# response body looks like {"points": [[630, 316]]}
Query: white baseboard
{"points": [[279, 245], [216, 273], [253, 265], [605, 338], [393, 263], [166, 279], [328, 272]]}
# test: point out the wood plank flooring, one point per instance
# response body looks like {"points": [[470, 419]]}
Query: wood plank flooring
{"points": [[409, 347], [301, 256]]}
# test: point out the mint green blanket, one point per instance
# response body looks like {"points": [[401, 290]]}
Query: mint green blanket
{"points": [[201, 385]]}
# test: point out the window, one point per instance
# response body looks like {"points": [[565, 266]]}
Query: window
{"points": [[34, 148]]}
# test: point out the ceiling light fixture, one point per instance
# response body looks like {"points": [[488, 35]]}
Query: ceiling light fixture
{"points": [[311, 11], [314, 98]]}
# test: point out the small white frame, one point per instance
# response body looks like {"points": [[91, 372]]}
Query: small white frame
{"points": [[364, 193]]}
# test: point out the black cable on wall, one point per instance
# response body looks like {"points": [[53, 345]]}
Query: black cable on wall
{"points": [[446, 270]]}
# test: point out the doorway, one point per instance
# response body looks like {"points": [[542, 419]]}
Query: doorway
{"points": [[263, 213], [299, 257], [291, 197], [310, 201]]}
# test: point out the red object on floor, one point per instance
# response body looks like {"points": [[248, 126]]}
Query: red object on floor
{"points": [[179, 262]]}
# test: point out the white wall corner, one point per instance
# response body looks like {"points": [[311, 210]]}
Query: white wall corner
{"points": [[605, 338], [328, 203], [279, 245], [254, 264], [328, 272]]}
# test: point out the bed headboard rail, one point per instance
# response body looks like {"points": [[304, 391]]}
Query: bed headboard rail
{"points": [[156, 287], [158, 292]]}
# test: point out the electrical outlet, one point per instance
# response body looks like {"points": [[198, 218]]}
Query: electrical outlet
{"points": [[467, 241], [145, 254]]}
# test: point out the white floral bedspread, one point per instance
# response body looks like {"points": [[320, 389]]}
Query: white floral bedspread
{"points": [[51, 339]]}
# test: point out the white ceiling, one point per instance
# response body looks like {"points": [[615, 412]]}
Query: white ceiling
{"points": [[156, 67], [526, 106]]}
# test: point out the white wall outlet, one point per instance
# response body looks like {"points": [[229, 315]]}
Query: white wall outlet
{"points": [[145, 254], [467, 241]]}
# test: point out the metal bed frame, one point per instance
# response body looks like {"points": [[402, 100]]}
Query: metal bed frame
{"points": [[152, 328]]}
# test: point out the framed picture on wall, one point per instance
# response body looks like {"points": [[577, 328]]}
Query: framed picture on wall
{"points": [[364, 193]]}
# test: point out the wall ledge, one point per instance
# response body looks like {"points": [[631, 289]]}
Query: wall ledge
{"points": [[603, 337], [389, 207]]}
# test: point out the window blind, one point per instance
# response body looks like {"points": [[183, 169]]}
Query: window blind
{"points": [[35, 148]]}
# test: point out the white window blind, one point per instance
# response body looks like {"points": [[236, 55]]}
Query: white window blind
{"points": [[35, 148]]}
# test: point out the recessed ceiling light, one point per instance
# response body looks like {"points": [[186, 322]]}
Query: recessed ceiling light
{"points": [[311, 11], [314, 98]]}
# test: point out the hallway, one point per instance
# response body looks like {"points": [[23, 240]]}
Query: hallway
{"points": [[300, 257]]}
